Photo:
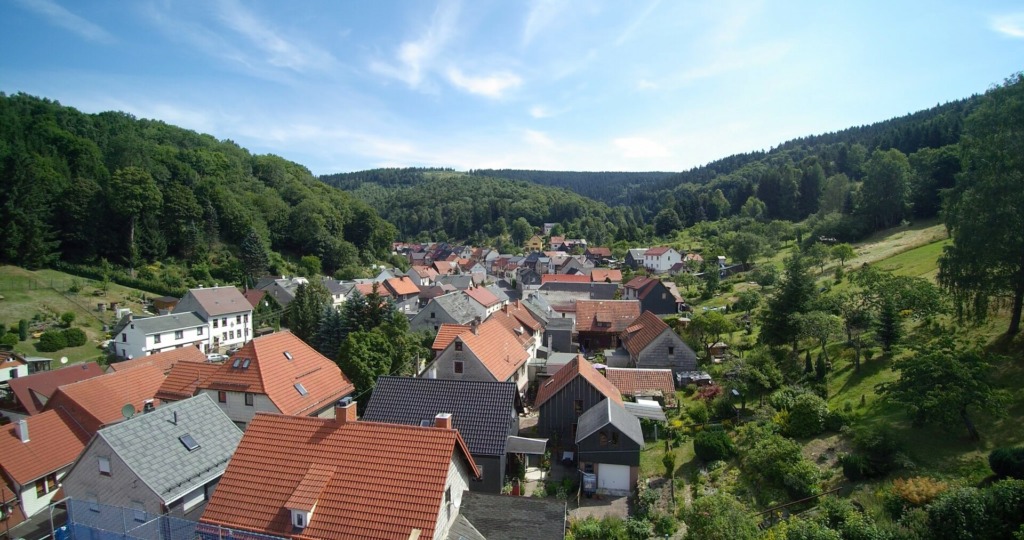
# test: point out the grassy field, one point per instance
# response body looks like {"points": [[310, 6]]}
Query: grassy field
{"points": [[42, 296]]}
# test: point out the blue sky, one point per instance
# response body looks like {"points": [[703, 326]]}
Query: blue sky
{"points": [[560, 85]]}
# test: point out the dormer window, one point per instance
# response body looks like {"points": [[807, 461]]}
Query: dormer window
{"points": [[300, 519]]}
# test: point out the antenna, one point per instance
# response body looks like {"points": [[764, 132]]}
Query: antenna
{"points": [[128, 411]]}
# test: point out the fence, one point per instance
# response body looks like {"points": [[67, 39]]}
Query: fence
{"points": [[88, 520]]}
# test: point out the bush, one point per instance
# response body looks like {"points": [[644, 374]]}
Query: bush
{"points": [[75, 337], [22, 330], [801, 479], [713, 445], [51, 340], [67, 318], [876, 454], [698, 413], [723, 409], [720, 517], [958, 513], [807, 416], [9, 339], [835, 420], [910, 493], [638, 529], [664, 524], [1007, 462]]}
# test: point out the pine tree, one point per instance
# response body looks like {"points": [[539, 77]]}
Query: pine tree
{"points": [[305, 310], [778, 326], [890, 326], [253, 252], [331, 333]]}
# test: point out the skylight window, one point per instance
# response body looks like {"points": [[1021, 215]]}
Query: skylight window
{"points": [[426, 423], [234, 364], [301, 389], [245, 363], [189, 442], [288, 355]]}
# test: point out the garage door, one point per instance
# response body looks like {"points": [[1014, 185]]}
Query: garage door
{"points": [[193, 499], [613, 477]]}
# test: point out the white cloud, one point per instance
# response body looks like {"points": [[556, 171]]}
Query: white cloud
{"points": [[1011, 25], [627, 34], [415, 58], [59, 16], [730, 61], [640, 148], [492, 86], [538, 138], [281, 52], [541, 14]]}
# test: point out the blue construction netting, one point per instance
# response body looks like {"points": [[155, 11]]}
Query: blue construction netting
{"points": [[89, 520]]}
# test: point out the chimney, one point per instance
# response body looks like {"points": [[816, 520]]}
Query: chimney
{"points": [[23, 430], [443, 421], [345, 411]]}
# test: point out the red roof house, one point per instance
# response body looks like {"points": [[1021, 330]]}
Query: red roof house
{"points": [[34, 391]]}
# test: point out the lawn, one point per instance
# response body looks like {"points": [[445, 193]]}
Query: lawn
{"points": [[918, 262], [42, 296]]}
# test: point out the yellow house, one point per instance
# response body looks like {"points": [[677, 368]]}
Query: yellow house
{"points": [[535, 243]]}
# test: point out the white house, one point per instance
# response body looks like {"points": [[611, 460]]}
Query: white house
{"points": [[150, 335], [228, 315], [12, 367], [661, 259], [35, 454]]}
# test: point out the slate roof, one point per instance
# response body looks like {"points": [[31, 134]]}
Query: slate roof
{"points": [[164, 360], [459, 307], [149, 444], [388, 480], [641, 381], [498, 293], [96, 402], [161, 324], [271, 373], [483, 412], [34, 390], [579, 366], [499, 517], [608, 412], [638, 253], [184, 379], [213, 301], [642, 331], [52, 445], [616, 314]]}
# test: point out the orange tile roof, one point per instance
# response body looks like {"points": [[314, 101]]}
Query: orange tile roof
{"points": [[366, 289], [616, 314], [482, 296], [523, 315], [446, 334], [601, 275], [564, 278], [52, 445], [642, 331], [577, 366], [96, 402], [388, 479], [271, 373], [514, 318], [163, 360], [639, 381], [497, 348], [34, 390], [425, 272], [183, 379], [600, 251], [401, 286], [444, 267], [657, 251]]}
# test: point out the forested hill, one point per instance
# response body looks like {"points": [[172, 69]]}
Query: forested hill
{"points": [[438, 204], [85, 187], [611, 188]]}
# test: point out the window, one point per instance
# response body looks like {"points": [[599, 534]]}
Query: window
{"points": [[179, 334], [199, 331], [222, 396], [603, 438], [246, 318], [671, 351], [124, 338], [458, 345], [301, 389], [13, 374], [189, 442], [216, 323], [94, 505], [249, 398], [224, 336], [139, 511], [156, 338], [615, 438], [224, 322], [577, 406], [40, 487], [238, 319], [458, 367], [433, 315], [231, 334], [104, 466], [47, 484], [300, 519]]}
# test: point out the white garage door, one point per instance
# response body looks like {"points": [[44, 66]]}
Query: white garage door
{"points": [[613, 477], [193, 499]]}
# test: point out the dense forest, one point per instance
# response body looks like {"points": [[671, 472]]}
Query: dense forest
{"points": [[611, 188], [85, 188]]}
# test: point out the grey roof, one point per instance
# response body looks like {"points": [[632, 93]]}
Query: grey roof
{"points": [[638, 253], [500, 517], [168, 323], [335, 286], [213, 301], [462, 529], [640, 410], [526, 445], [608, 412], [459, 307], [149, 444], [481, 411], [496, 290], [587, 291], [461, 282]]}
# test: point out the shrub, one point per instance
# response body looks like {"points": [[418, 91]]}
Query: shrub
{"points": [[638, 529], [51, 340], [75, 337], [698, 413], [807, 416], [876, 454], [1007, 462], [67, 318], [713, 445], [723, 409], [22, 330], [720, 517], [855, 466], [910, 493], [801, 479], [709, 392], [664, 524], [835, 420], [9, 339], [958, 513]]}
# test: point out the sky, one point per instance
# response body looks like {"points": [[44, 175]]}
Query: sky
{"points": [[594, 85]]}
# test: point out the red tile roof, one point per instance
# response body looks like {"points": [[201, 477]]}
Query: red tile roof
{"points": [[253, 296], [641, 381], [518, 321], [366, 289], [270, 372], [446, 334], [607, 316], [578, 366], [482, 296], [375, 480], [600, 251], [183, 379], [642, 331], [96, 402], [523, 315], [497, 348], [214, 301], [601, 275], [657, 251], [564, 278], [52, 445], [401, 286], [34, 390], [163, 360], [444, 267]]}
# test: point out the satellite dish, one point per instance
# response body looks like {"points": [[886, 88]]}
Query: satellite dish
{"points": [[63, 359], [128, 410]]}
